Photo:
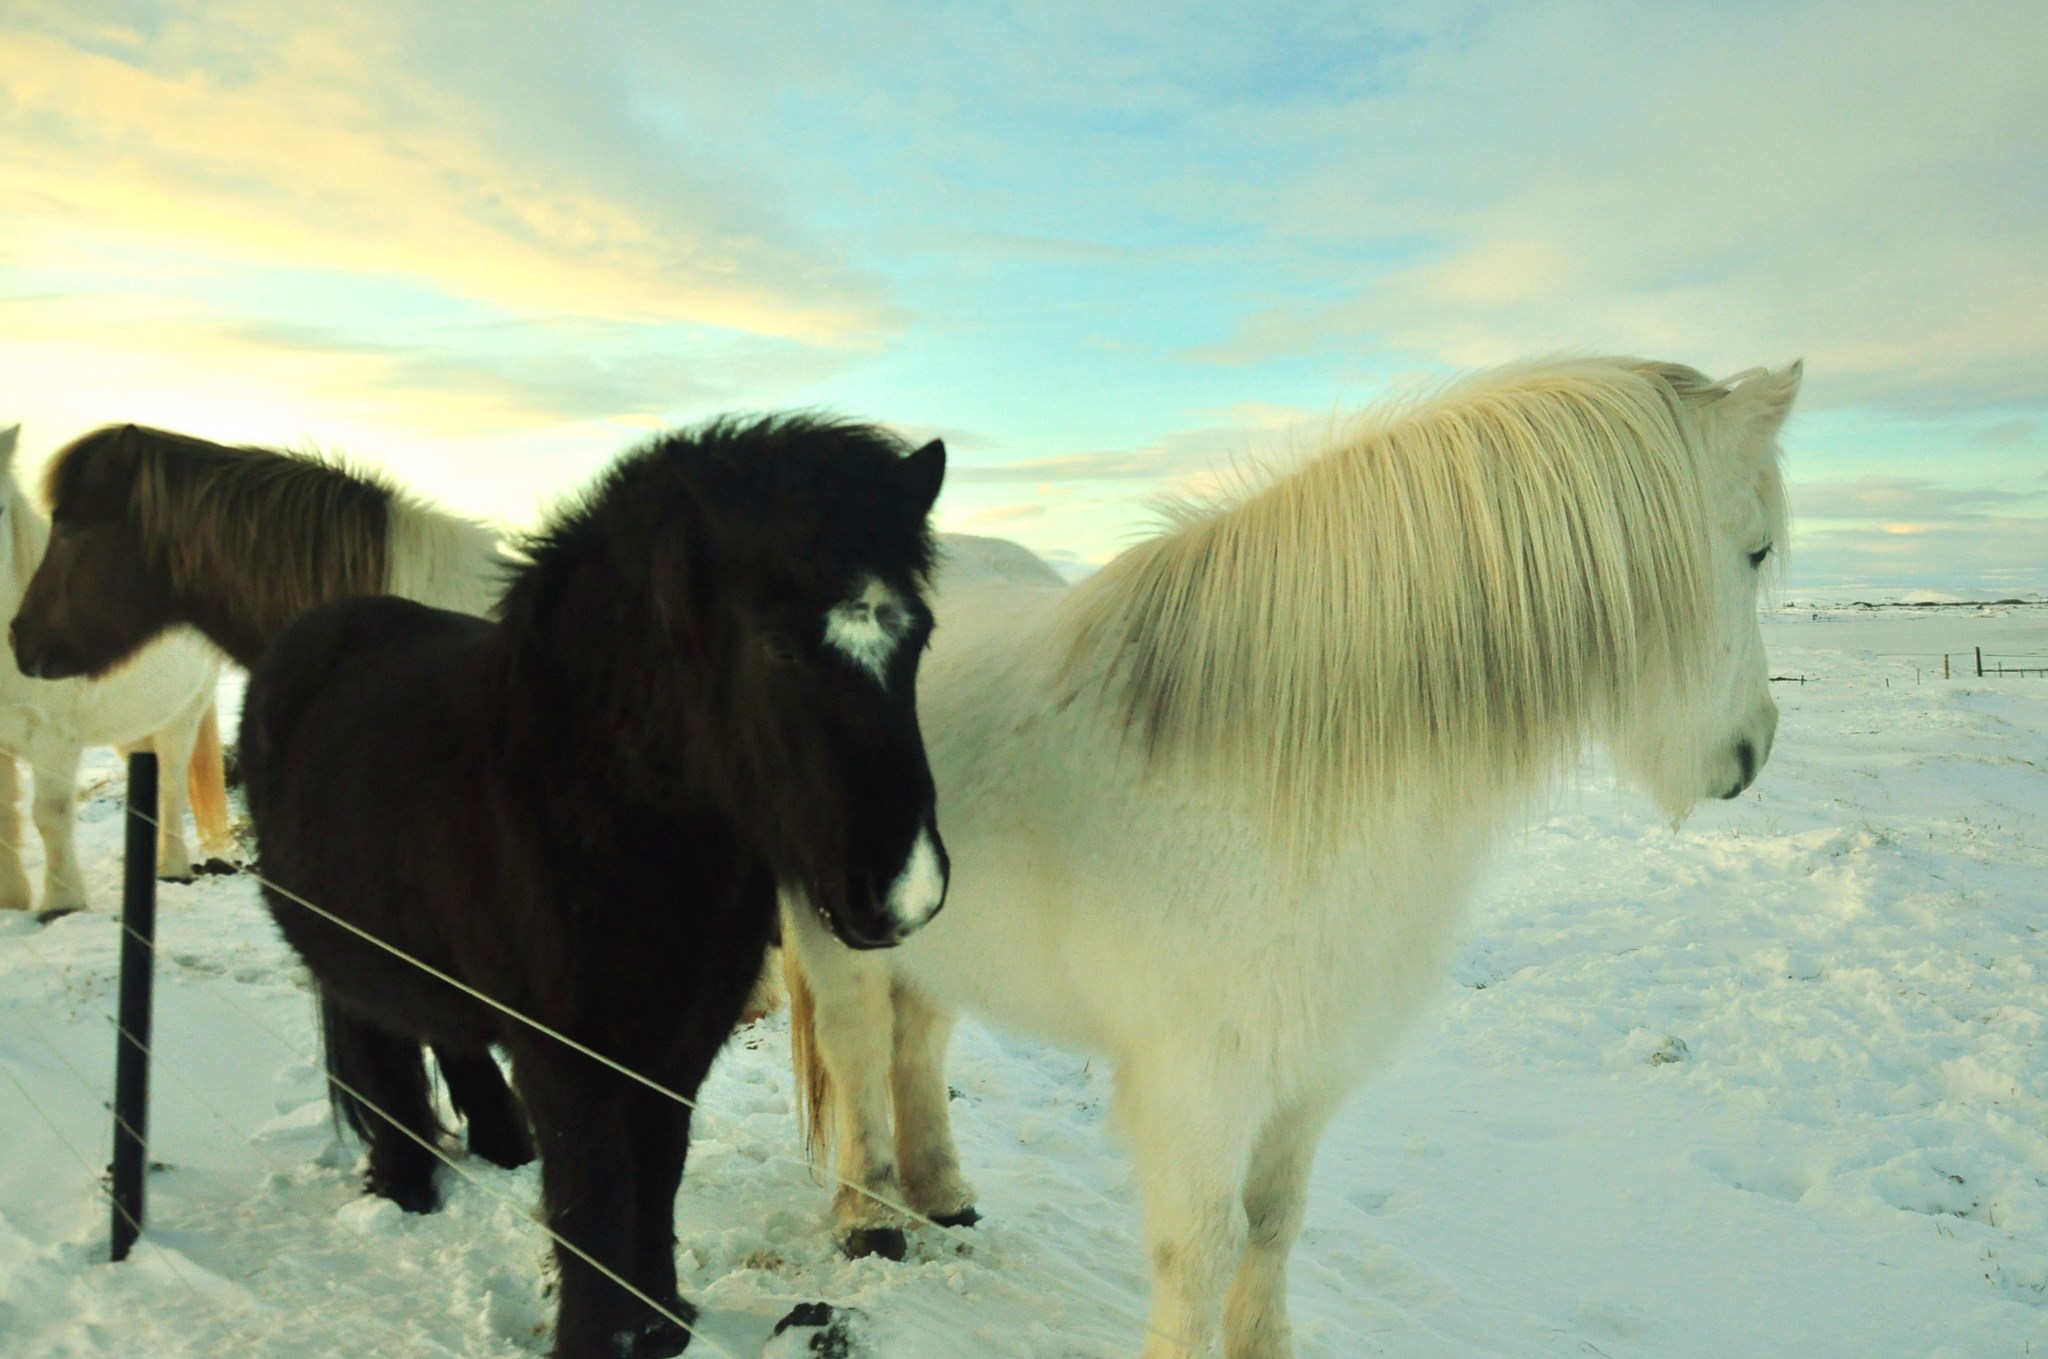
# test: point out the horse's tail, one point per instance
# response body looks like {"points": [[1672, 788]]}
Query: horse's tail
{"points": [[362, 1059], [206, 785], [769, 992], [813, 1082]]}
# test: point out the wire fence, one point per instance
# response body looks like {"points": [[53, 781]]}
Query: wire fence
{"points": [[1975, 663], [975, 1245], [29, 1101]]}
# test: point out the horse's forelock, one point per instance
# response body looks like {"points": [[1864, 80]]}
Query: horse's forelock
{"points": [[92, 472]]}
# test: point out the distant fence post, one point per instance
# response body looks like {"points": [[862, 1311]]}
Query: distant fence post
{"points": [[138, 966], [1980, 662], [1944, 665]]}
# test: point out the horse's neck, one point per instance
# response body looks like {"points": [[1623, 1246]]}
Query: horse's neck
{"points": [[216, 594], [572, 714], [216, 615]]}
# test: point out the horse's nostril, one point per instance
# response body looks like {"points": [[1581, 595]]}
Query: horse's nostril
{"points": [[1745, 755]]}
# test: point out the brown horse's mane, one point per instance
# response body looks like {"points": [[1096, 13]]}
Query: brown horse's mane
{"points": [[264, 535]]}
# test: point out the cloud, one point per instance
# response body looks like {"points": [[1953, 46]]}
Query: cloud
{"points": [[1730, 196], [1003, 514], [2006, 434], [1236, 437], [306, 137], [1993, 553], [1900, 497], [1898, 532]]}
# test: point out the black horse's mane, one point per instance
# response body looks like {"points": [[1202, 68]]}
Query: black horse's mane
{"points": [[803, 478]]}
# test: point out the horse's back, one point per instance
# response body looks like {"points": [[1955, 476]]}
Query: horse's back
{"points": [[365, 778], [348, 684]]}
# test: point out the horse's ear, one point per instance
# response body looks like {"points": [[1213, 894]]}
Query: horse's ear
{"points": [[923, 472], [9, 438], [1766, 399], [97, 471]]}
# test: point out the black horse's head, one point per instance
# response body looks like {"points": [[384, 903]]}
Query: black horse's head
{"points": [[785, 563]]}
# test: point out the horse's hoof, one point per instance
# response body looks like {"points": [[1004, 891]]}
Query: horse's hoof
{"points": [[833, 1333], [508, 1151], [662, 1338], [886, 1242], [413, 1198], [56, 913], [217, 868], [181, 878], [965, 1217], [508, 1159]]}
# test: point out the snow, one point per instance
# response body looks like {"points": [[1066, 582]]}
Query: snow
{"points": [[1773, 1084]]}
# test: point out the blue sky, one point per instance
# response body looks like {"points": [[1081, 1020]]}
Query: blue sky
{"points": [[1106, 251]]}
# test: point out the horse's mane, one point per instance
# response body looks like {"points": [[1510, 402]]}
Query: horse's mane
{"points": [[271, 533], [1463, 585], [819, 461]]}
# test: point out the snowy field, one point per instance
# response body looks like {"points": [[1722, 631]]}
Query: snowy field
{"points": [[1773, 1085]]}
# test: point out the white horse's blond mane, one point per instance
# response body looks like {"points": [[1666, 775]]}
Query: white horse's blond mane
{"points": [[1470, 584]]}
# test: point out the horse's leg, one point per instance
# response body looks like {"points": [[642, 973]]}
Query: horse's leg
{"points": [[477, 1089], [173, 746], [1191, 1138], [56, 814], [590, 1189], [854, 1032], [374, 1070], [14, 888], [659, 1130], [1255, 1313], [925, 1152]]}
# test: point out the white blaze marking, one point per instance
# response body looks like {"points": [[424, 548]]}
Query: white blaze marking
{"points": [[920, 887], [866, 628]]}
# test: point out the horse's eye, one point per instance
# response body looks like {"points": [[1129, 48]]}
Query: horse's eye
{"points": [[890, 617], [1756, 558]]}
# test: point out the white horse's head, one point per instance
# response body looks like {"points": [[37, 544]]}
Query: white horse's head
{"points": [[1706, 730], [22, 534]]}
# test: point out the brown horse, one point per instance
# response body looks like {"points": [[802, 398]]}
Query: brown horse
{"points": [[150, 529]]}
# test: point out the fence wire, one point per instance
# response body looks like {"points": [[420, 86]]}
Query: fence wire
{"points": [[969, 1245], [170, 1260]]}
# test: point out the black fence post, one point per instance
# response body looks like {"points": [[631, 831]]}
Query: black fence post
{"points": [[1980, 662], [138, 970]]}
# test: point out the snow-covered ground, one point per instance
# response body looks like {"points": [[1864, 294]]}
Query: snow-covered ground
{"points": [[1772, 1085]]}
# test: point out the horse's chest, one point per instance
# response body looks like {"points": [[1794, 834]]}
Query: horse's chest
{"points": [[26, 724]]}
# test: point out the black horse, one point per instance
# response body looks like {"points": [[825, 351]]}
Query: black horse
{"points": [[702, 689]]}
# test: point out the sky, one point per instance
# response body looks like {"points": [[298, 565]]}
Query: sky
{"points": [[1106, 252]]}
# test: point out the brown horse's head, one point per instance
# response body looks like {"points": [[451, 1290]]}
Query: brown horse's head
{"points": [[94, 600], [150, 529]]}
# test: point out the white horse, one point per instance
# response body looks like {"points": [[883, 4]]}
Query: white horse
{"points": [[1217, 811], [162, 701]]}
